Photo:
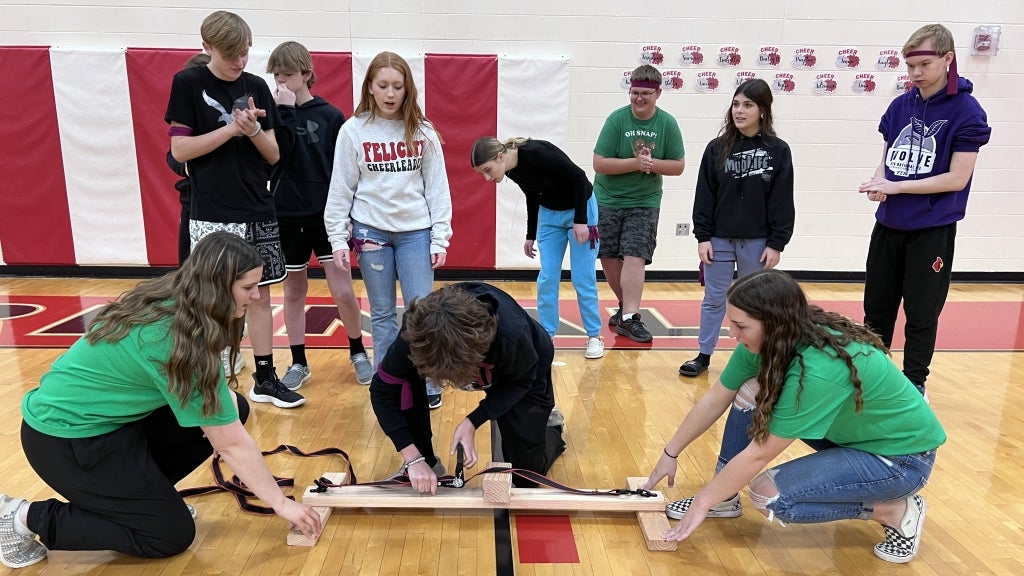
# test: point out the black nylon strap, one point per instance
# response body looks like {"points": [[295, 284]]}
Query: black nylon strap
{"points": [[242, 494], [323, 484]]}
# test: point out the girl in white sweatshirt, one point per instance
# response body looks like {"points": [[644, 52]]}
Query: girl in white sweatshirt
{"points": [[389, 199]]}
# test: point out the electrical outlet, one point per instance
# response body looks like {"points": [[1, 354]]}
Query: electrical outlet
{"points": [[683, 229]]}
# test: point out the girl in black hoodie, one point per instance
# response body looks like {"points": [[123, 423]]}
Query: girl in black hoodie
{"points": [[743, 207]]}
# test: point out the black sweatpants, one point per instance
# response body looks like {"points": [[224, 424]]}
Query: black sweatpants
{"points": [[119, 486], [526, 439], [913, 266]]}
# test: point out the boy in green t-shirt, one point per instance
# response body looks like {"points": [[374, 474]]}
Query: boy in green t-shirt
{"points": [[638, 145]]}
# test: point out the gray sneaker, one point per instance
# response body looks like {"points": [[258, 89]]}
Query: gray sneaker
{"points": [[363, 368], [16, 551], [295, 376]]}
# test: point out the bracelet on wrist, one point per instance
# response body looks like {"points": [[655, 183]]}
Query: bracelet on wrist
{"points": [[259, 128], [414, 461], [665, 450]]}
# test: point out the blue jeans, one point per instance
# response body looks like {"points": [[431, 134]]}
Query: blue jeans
{"points": [[402, 257], [554, 231], [833, 483], [744, 256]]}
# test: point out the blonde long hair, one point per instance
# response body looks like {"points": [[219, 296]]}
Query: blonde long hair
{"points": [[199, 298], [487, 148]]}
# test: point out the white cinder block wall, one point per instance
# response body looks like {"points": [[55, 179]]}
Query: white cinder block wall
{"points": [[834, 137]]}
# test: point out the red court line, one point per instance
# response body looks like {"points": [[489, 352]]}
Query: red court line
{"points": [[57, 321]]}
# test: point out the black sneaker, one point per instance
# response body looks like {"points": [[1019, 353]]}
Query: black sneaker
{"points": [[275, 392], [615, 318], [634, 328]]}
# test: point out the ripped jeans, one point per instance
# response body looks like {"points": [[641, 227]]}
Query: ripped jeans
{"points": [[833, 483], [384, 258]]}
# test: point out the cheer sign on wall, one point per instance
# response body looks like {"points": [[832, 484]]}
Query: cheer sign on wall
{"points": [[86, 180]]}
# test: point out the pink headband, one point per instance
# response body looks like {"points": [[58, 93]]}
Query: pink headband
{"points": [[951, 77], [644, 84]]}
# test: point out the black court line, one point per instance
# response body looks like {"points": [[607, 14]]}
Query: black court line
{"points": [[504, 563]]}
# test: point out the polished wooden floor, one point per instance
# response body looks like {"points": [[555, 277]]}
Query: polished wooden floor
{"points": [[619, 412]]}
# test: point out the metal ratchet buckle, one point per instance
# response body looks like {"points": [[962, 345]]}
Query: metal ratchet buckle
{"points": [[459, 479]]}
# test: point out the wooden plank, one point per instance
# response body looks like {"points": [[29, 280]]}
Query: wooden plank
{"points": [[295, 536], [652, 524], [473, 498]]}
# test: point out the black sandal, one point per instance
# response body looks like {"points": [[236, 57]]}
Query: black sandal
{"points": [[692, 368]]}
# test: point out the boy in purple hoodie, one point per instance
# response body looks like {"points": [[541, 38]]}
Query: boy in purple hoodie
{"points": [[932, 137]]}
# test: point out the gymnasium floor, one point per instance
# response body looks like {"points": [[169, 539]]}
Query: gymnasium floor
{"points": [[619, 412]]}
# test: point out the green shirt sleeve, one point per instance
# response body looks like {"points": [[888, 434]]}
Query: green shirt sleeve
{"points": [[743, 365]]}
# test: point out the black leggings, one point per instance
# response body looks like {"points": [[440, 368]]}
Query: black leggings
{"points": [[119, 486], [526, 439]]}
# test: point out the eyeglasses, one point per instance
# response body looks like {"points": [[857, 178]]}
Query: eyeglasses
{"points": [[642, 95]]}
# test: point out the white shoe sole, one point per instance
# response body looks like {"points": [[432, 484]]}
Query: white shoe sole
{"points": [[268, 399]]}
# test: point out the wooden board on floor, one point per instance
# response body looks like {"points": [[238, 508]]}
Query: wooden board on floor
{"points": [[473, 498]]}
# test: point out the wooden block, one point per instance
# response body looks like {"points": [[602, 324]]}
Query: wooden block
{"points": [[498, 485], [652, 524], [296, 537]]}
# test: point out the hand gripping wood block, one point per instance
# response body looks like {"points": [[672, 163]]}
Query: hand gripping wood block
{"points": [[652, 524], [296, 537]]}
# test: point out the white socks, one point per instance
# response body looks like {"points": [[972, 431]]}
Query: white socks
{"points": [[19, 526]]}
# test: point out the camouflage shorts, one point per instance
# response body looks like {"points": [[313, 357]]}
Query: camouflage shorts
{"points": [[628, 232]]}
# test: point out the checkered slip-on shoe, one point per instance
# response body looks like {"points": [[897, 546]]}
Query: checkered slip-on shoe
{"points": [[901, 543], [731, 508]]}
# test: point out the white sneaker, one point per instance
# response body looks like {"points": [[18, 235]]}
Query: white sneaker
{"points": [[595, 348], [16, 551], [226, 362], [556, 418]]}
